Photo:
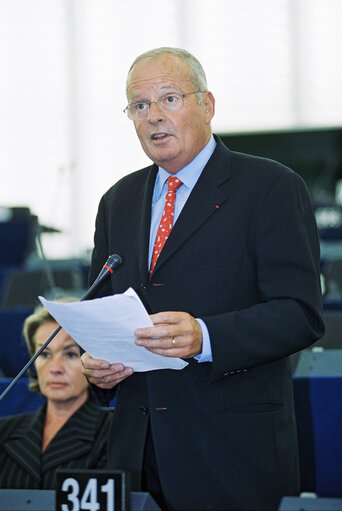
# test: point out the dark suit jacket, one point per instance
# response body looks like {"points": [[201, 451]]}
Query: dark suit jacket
{"points": [[81, 443], [243, 256]]}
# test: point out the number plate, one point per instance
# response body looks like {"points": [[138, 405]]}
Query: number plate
{"points": [[92, 490]]}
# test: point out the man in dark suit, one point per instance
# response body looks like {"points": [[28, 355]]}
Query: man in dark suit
{"points": [[235, 291]]}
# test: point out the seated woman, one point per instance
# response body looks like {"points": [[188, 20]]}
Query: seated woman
{"points": [[69, 431]]}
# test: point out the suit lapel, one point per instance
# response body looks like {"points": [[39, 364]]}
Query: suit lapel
{"points": [[144, 223], [24, 443], [75, 439], [205, 199]]}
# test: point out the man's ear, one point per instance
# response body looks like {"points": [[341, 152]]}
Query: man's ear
{"points": [[209, 106]]}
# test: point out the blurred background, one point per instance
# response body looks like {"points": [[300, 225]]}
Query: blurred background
{"points": [[274, 67]]}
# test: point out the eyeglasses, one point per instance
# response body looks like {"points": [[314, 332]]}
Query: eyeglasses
{"points": [[169, 103]]}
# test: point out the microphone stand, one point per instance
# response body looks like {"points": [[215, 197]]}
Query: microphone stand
{"points": [[112, 262]]}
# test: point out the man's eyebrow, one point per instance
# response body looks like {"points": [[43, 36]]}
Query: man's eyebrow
{"points": [[136, 98], [139, 98]]}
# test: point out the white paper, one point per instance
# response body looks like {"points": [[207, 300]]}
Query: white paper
{"points": [[104, 328]]}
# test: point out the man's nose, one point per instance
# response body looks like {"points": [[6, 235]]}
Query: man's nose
{"points": [[155, 113]]}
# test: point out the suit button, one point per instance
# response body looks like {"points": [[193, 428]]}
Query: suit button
{"points": [[144, 410]]}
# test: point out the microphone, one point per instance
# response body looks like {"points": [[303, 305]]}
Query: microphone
{"points": [[113, 262]]}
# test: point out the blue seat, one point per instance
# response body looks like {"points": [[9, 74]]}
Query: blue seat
{"points": [[317, 391], [332, 304], [13, 351], [19, 399], [17, 239]]}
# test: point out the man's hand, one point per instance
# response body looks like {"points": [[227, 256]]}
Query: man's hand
{"points": [[174, 334], [102, 374]]}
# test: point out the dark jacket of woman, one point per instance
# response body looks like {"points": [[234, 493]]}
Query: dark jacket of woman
{"points": [[80, 443]]}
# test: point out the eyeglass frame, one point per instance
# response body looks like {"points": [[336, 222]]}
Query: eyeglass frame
{"points": [[149, 103]]}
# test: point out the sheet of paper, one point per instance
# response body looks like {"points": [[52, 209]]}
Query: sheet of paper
{"points": [[104, 328]]}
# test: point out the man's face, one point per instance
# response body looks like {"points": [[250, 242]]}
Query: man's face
{"points": [[170, 139]]}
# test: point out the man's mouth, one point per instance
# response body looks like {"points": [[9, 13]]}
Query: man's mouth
{"points": [[159, 136]]}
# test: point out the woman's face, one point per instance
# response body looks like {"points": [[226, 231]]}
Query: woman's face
{"points": [[59, 367]]}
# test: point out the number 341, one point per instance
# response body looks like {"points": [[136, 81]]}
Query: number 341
{"points": [[89, 499]]}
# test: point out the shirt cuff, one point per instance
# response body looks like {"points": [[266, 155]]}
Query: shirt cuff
{"points": [[206, 355]]}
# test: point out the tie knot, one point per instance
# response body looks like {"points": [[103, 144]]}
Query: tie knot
{"points": [[173, 183]]}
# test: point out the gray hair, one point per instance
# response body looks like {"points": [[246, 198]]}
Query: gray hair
{"points": [[198, 78]]}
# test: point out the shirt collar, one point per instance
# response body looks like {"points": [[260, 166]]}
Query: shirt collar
{"points": [[188, 174]]}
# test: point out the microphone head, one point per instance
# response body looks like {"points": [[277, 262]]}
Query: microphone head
{"points": [[114, 261], [110, 265]]}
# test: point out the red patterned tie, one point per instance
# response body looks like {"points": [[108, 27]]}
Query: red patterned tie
{"points": [[166, 222]]}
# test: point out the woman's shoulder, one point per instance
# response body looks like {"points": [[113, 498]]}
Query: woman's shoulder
{"points": [[9, 423], [15, 419], [106, 414], [105, 420], [95, 415]]}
